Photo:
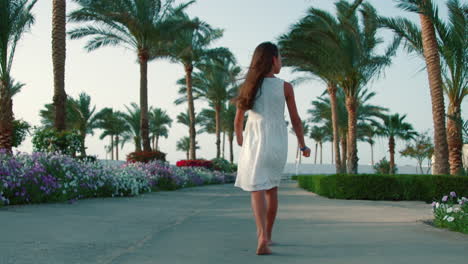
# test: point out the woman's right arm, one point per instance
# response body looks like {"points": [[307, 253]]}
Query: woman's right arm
{"points": [[295, 119], [239, 126]]}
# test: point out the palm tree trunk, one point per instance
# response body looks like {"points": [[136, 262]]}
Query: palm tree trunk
{"points": [[315, 159], [58, 61], [231, 147], [332, 89], [431, 54], [153, 140], [83, 147], [144, 124], [321, 156], [224, 143], [391, 149], [187, 154], [352, 159], [117, 147], [454, 139], [218, 130], [332, 146], [112, 147], [372, 153], [6, 117], [343, 154], [191, 111], [157, 143]]}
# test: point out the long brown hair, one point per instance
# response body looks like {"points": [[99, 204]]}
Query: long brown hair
{"points": [[261, 65]]}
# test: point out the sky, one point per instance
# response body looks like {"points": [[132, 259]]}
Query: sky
{"points": [[110, 75]]}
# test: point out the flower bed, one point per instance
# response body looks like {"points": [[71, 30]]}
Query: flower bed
{"points": [[451, 212], [42, 177], [195, 163]]}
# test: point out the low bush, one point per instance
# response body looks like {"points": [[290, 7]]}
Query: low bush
{"points": [[146, 156], [384, 187], [221, 164]]}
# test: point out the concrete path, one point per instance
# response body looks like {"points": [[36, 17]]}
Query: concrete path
{"points": [[214, 224]]}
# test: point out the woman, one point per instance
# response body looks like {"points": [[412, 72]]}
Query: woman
{"points": [[264, 149]]}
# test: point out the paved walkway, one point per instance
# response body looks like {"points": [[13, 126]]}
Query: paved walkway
{"points": [[214, 224]]}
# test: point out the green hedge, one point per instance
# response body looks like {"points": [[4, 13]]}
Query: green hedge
{"points": [[385, 187]]}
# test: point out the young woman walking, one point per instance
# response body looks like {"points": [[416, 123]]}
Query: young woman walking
{"points": [[264, 148]]}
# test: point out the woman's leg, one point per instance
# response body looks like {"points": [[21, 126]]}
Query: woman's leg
{"points": [[272, 208], [260, 210]]}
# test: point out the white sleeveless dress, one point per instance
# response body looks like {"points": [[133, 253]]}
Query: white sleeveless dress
{"points": [[264, 150]]}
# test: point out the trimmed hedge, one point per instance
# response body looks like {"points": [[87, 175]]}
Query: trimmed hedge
{"points": [[384, 187]]}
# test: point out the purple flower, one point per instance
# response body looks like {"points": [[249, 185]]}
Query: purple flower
{"points": [[445, 198], [453, 194]]}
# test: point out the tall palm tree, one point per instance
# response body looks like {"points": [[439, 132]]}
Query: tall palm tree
{"points": [[214, 84], [394, 127], [189, 49], [147, 27], [113, 126], [132, 117], [427, 42], [15, 19], [160, 122], [184, 119], [228, 125], [184, 145], [349, 44], [366, 113], [451, 39], [59, 37]]}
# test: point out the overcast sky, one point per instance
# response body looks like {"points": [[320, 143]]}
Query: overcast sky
{"points": [[111, 75]]}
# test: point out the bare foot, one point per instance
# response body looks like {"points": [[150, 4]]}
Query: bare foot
{"points": [[263, 248]]}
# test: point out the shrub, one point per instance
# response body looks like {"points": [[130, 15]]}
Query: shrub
{"points": [[221, 164], [50, 140], [195, 163], [384, 187], [146, 156], [383, 167], [451, 212], [20, 131]]}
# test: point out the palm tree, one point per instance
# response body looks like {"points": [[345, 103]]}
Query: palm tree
{"points": [[367, 133], [59, 37], [189, 49], [159, 125], [450, 39], [228, 125], [15, 19], [212, 84], [425, 40], [318, 134], [132, 117], [184, 119], [80, 115], [349, 44], [114, 126], [366, 113], [184, 145], [394, 127], [144, 26]]}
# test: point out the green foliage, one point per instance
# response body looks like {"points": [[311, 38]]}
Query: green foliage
{"points": [[383, 167], [420, 149], [384, 187], [20, 131], [146, 156], [223, 165], [51, 140]]}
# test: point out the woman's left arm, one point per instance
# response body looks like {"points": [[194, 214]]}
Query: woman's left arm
{"points": [[239, 126]]}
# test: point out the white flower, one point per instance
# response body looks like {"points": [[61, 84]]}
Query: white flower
{"points": [[449, 210], [456, 209], [437, 205], [450, 219], [445, 217]]}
